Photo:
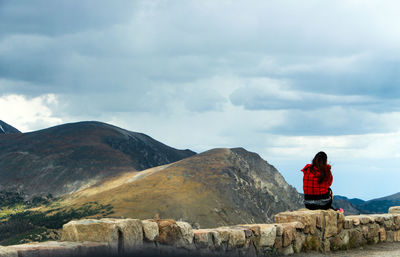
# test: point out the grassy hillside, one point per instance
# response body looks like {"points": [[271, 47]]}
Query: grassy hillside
{"points": [[217, 187]]}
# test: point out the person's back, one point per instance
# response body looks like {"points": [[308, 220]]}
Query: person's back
{"points": [[317, 179]]}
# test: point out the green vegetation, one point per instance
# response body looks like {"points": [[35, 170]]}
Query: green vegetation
{"points": [[27, 225], [311, 243]]}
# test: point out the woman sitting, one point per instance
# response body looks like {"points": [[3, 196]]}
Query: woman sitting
{"points": [[317, 179]]}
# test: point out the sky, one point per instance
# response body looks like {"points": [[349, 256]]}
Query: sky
{"points": [[284, 79]]}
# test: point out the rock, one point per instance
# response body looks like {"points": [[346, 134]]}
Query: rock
{"points": [[265, 234], [130, 233], [234, 236], [287, 250], [203, 238], [396, 236], [174, 233], [278, 242], [7, 252], [92, 230], [289, 233], [389, 236], [355, 238], [382, 235], [394, 210], [348, 223], [340, 241], [373, 233], [186, 235], [279, 229], [326, 246], [389, 224], [310, 219], [396, 221], [381, 218], [236, 239], [330, 226], [150, 229], [122, 235], [312, 243], [360, 219], [60, 249], [221, 237], [299, 242]]}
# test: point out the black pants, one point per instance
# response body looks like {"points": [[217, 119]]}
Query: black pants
{"points": [[326, 206], [319, 207]]}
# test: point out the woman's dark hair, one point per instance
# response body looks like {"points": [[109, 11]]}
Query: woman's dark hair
{"points": [[320, 162]]}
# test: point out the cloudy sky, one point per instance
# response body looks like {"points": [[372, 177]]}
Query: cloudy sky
{"points": [[285, 79]]}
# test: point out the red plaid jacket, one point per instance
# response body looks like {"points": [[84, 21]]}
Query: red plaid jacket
{"points": [[310, 181]]}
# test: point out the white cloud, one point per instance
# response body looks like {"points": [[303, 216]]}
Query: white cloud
{"points": [[27, 114]]}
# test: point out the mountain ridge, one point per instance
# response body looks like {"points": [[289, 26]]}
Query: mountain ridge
{"points": [[220, 186], [61, 159], [6, 128]]}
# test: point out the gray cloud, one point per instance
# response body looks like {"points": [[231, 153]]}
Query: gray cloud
{"points": [[334, 121], [149, 56], [61, 17]]}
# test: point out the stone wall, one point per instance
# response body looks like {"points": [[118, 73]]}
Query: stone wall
{"points": [[292, 232]]}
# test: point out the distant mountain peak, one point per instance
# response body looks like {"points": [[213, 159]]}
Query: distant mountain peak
{"points": [[7, 129]]}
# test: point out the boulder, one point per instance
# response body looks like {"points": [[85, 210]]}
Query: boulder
{"points": [[175, 233], [356, 238], [150, 230], [265, 234], [234, 236], [330, 220], [203, 238], [122, 235], [394, 210], [92, 230], [186, 235], [310, 219]]}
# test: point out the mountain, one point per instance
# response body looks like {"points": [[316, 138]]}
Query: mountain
{"points": [[357, 206], [346, 204], [7, 129], [380, 205], [62, 159], [214, 188]]}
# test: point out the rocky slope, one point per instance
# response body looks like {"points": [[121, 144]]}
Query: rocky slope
{"points": [[7, 129], [346, 205], [213, 188], [62, 159]]}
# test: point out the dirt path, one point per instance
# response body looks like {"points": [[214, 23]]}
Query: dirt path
{"points": [[378, 250]]}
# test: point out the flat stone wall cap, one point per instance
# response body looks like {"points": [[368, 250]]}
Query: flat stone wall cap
{"points": [[312, 219], [8, 252], [394, 209], [380, 218], [360, 219], [57, 248]]}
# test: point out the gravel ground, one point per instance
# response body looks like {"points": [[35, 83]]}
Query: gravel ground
{"points": [[381, 250]]}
